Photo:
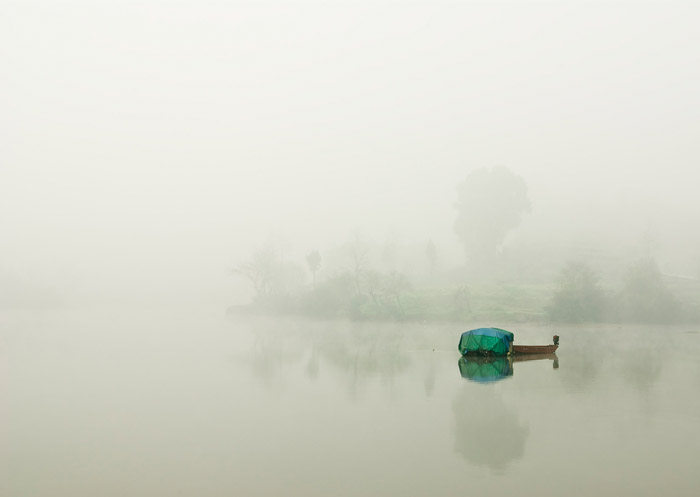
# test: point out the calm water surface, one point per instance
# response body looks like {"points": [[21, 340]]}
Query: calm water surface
{"points": [[194, 403]]}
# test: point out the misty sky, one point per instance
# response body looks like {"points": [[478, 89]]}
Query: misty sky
{"points": [[159, 142]]}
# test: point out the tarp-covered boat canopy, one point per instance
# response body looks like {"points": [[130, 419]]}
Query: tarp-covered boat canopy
{"points": [[485, 341]]}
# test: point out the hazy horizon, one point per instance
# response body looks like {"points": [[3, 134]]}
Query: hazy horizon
{"points": [[149, 147]]}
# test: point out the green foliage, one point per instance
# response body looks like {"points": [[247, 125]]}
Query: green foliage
{"points": [[361, 293], [332, 297], [383, 295], [578, 297], [645, 297], [461, 302]]}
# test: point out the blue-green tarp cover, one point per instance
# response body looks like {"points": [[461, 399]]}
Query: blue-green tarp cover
{"points": [[485, 340]]}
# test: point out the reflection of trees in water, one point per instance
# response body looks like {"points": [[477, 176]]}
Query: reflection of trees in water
{"points": [[641, 367], [487, 432], [581, 371], [585, 353], [687, 349], [366, 354], [313, 364], [364, 351], [271, 351], [634, 356]]}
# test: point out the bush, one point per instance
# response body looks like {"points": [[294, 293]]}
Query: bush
{"points": [[645, 297], [579, 297], [330, 298]]}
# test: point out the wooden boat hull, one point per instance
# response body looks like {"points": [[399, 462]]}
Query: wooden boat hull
{"points": [[534, 349], [533, 357]]}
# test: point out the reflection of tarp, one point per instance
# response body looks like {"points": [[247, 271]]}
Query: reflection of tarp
{"points": [[487, 341], [485, 369]]}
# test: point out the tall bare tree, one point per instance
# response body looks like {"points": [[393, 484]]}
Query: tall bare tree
{"points": [[360, 260], [259, 270]]}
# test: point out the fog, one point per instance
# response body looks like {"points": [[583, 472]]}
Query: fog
{"points": [[150, 147], [239, 242]]}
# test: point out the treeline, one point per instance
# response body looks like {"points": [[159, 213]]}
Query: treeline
{"points": [[642, 297], [359, 291], [496, 282]]}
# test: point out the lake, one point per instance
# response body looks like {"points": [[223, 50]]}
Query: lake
{"points": [[196, 403]]}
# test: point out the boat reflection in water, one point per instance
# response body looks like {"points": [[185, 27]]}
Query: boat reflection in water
{"points": [[485, 369], [490, 369], [488, 430]]}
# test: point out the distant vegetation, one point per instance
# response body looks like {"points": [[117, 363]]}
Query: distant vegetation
{"points": [[575, 295], [365, 281], [578, 296], [645, 297]]}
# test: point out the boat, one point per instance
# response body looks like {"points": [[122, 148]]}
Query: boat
{"points": [[490, 342], [536, 349], [536, 357]]}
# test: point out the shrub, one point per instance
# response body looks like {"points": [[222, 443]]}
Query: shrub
{"points": [[579, 297], [331, 297], [645, 297]]}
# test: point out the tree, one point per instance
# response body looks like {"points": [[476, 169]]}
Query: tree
{"points": [[271, 276], [395, 285], [260, 270], [645, 297], [313, 259], [461, 301], [490, 203], [374, 286], [358, 254], [579, 297], [332, 297]]}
